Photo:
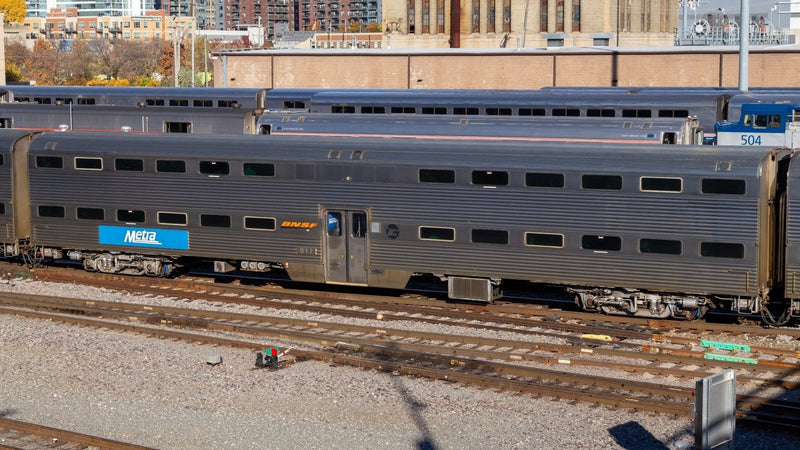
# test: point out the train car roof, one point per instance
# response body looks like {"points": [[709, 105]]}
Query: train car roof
{"points": [[247, 97], [435, 153]]}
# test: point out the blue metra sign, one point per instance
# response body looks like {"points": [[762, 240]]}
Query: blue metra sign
{"points": [[144, 237]]}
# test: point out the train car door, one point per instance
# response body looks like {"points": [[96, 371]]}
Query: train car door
{"points": [[346, 246]]}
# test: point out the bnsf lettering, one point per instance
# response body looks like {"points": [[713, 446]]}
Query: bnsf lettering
{"points": [[290, 224]]}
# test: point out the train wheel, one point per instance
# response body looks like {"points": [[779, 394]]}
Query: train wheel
{"points": [[783, 314]]}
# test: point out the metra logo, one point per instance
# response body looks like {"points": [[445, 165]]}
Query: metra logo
{"points": [[141, 237], [290, 224]]}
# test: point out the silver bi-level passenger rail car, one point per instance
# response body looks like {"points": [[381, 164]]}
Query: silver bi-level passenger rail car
{"points": [[134, 109], [628, 229]]}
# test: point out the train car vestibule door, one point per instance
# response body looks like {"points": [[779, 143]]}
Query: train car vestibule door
{"points": [[346, 246]]}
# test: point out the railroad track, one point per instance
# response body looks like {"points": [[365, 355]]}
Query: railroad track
{"points": [[349, 344], [18, 434]]}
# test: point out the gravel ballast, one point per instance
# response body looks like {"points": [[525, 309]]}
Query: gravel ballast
{"points": [[163, 394]]}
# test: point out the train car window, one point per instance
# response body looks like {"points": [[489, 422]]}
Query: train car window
{"points": [[548, 180], [532, 112], [722, 250], [774, 121], [662, 246], [63, 101], [215, 167], [723, 186], [215, 220], [259, 223], [605, 182], [338, 109], [489, 178], [2, 208], [178, 102], [172, 218], [2, 160], [49, 162], [441, 110], [359, 224], [259, 170], [437, 234], [637, 113], [490, 236], [403, 110], [747, 120], [154, 102], [602, 243], [334, 224], [544, 240], [760, 121], [658, 184], [171, 166], [566, 112], [177, 127], [6, 122], [89, 163], [91, 213], [130, 215], [86, 101], [462, 111], [498, 111], [22, 99], [203, 103], [43, 100], [294, 104], [437, 176], [51, 211], [673, 113], [130, 165], [227, 104], [373, 110], [600, 112]]}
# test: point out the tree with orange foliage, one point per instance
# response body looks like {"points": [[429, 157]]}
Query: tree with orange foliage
{"points": [[13, 10]]}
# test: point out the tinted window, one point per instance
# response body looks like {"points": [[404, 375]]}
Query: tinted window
{"points": [[595, 112], [89, 163], [608, 182], [667, 247], [214, 220], [50, 162], [723, 186], [51, 211], [259, 223], [544, 240], [532, 112], [722, 250], [259, 170], [606, 243], [437, 233], [434, 110], [462, 111], [552, 180], [490, 236], [130, 215], [489, 177], [343, 109], [2, 208], [437, 176], [214, 167], [172, 218], [171, 166], [133, 165], [91, 213], [661, 184]]}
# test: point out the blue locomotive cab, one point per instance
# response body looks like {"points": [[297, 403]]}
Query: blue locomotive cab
{"points": [[762, 125]]}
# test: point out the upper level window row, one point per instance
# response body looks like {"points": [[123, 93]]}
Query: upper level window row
{"points": [[208, 167], [182, 102], [556, 111], [587, 181]]}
